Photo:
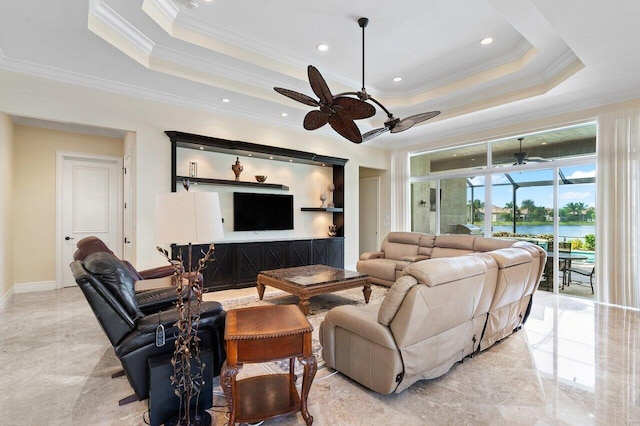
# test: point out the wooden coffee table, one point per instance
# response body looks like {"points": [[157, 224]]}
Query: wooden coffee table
{"points": [[307, 281]]}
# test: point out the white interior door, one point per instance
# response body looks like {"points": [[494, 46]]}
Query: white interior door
{"points": [[369, 220], [89, 203]]}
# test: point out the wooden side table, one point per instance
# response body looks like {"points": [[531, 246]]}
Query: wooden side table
{"points": [[261, 334]]}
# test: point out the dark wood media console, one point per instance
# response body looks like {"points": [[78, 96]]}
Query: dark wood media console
{"points": [[237, 264]]}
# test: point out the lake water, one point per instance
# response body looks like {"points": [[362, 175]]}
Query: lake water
{"points": [[577, 231]]}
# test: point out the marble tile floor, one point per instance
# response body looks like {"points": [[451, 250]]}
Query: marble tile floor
{"points": [[574, 363]]}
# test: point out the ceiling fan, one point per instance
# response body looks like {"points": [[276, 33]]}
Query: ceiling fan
{"points": [[522, 157], [342, 109]]}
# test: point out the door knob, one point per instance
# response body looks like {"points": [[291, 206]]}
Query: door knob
{"points": [[67, 238]]}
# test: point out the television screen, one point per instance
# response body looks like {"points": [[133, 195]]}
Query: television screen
{"points": [[262, 212]]}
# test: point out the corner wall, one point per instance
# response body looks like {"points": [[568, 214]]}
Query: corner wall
{"points": [[34, 196], [6, 209]]}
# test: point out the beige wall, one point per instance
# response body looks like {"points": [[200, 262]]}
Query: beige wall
{"points": [[40, 98], [34, 195], [6, 208]]}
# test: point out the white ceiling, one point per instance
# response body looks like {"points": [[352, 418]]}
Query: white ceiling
{"points": [[548, 57]]}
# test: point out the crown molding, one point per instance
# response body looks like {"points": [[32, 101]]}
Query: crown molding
{"points": [[561, 63], [82, 80], [103, 18]]}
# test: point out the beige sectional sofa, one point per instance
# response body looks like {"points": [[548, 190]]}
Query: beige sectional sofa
{"points": [[454, 295]]}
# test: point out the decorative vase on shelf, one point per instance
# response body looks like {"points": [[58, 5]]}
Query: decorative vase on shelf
{"points": [[237, 168], [323, 198], [332, 188]]}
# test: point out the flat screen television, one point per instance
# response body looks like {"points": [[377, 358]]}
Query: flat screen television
{"points": [[262, 212]]}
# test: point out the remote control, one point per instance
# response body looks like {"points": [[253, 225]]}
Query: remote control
{"points": [[160, 335]]}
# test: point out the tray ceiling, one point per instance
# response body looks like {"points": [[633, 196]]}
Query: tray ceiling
{"points": [[545, 58]]}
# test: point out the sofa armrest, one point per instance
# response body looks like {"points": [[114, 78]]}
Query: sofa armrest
{"points": [[372, 255], [158, 272], [355, 344], [154, 283], [415, 258], [361, 321]]}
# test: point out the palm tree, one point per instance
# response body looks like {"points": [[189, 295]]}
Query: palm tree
{"points": [[528, 205], [571, 207], [476, 206], [509, 206], [579, 209]]}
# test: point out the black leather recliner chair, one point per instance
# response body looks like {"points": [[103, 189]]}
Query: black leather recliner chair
{"points": [[108, 287], [149, 301]]}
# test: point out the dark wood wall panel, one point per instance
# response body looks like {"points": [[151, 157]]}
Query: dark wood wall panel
{"points": [[237, 265]]}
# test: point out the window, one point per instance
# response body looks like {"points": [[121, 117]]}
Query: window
{"points": [[542, 190]]}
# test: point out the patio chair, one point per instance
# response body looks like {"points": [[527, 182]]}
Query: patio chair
{"points": [[587, 272], [564, 265]]}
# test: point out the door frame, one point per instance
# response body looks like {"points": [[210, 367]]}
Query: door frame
{"points": [[127, 209], [61, 157], [376, 180]]}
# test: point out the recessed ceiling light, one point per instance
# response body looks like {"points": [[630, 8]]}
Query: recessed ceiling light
{"points": [[543, 143], [226, 100], [201, 147], [290, 160], [284, 114], [270, 158], [250, 154], [486, 40], [397, 79], [322, 47]]}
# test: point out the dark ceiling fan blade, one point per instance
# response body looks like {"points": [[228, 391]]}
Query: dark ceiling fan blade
{"points": [[409, 122], [297, 96], [374, 133], [314, 120], [346, 128], [404, 124], [354, 109], [537, 160], [319, 86], [419, 118]]}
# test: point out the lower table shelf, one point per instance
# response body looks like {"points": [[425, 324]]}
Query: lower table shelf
{"points": [[266, 396]]}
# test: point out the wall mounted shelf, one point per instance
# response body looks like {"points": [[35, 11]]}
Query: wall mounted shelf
{"points": [[322, 209], [208, 181], [248, 149]]}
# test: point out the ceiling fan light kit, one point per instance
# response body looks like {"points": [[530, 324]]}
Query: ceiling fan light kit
{"points": [[341, 110], [522, 156]]}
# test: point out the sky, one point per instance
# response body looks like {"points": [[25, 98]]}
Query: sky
{"points": [[541, 195]]}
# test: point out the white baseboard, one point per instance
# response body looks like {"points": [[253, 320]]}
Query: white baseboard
{"points": [[35, 286], [6, 299]]}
